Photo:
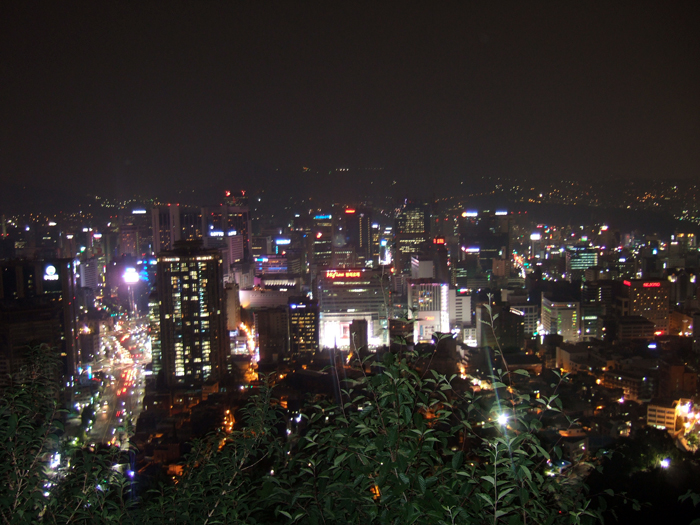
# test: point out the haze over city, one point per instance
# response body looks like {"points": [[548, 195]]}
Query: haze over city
{"points": [[144, 98], [349, 262]]}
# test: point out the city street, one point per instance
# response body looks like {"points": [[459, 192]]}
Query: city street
{"points": [[123, 356]]}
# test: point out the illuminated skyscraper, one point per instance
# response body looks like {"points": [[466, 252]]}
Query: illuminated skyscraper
{"points": [[346, 295], [489, 232], [303, 326], [192, 314], [190, 223], [358, 223], [322, 239], [578, 260], [154, 323], [166, 227], [562, 318], [429, 300], [648, 298], [412, 231], [219, 222]]}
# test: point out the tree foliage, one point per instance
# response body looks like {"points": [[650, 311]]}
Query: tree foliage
{"points": [[404, 446]]}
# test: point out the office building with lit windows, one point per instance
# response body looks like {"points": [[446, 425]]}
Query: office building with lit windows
{"points": [[221, 222], [194, 340], [349, 294], [166, 227], [648, 298], [429, 302], [303, 326], [578, 260], [154, 328], [358, 225], [562, 318], [412, 234]]}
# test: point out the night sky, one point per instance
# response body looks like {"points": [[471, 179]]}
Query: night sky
{"points": [[122, 97]]}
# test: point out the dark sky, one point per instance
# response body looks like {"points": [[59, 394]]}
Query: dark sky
{"points": [[124, 97]]}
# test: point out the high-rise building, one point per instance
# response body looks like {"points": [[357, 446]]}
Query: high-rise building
{"points": [[429, 302], [154, 325], [135, 237], [219, 222], [562, 318], [192, 314], [376, 243], [488, 233], [272, 330], [322, 241], [412, 234], [23, 325], [358, 223], [190, 223], [303, 326], [648, 298], [345, 295], [166, 227], [578, 260], [90, 274], [51, 282], [233, 307]]}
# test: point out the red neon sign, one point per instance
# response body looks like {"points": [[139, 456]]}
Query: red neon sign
{"points": [[651, 285], [627, 283], [335, 274], [349, 210], [439, 240]]}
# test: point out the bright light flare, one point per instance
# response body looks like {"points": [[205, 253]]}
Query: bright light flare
{"points": [[665, 463], [502, 420], [131, 276]]}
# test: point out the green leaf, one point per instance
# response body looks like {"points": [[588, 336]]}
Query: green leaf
{"points": [[524, 470], [421, 484], [489, 479], [339, 459], [457, 460]]}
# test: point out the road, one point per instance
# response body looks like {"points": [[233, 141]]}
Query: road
{"points": [[122, 360]]}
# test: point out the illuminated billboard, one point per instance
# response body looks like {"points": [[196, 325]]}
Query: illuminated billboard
{"points": [[50, 273], [336, 274]]}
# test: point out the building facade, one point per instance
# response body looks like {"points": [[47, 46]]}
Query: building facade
{"points": [[192, 314]]}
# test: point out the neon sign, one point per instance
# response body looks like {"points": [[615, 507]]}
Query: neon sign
{"points": [[651, 285], [349, 210], [50, 273], [335, 274], [439, 240], [627, 283]]}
